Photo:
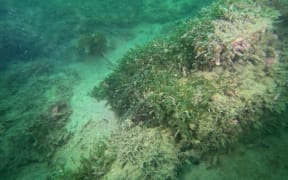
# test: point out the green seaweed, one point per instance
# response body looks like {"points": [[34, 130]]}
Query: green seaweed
{"points": [[194, 82], [94, 44], [95, 166]]}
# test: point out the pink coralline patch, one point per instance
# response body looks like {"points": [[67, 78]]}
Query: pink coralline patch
{"points": [[238, 45]]}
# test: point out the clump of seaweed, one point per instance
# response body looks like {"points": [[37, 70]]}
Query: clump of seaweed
{"points": [[228, 40], [94, 44], [95, 166], [34, 112], [132, 152], [48, 132], [143, 153]]}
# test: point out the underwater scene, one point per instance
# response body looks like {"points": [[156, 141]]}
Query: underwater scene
{"points": [[144, 90]]}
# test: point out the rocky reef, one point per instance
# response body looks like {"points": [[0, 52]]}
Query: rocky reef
{"points": [[217, 80]]}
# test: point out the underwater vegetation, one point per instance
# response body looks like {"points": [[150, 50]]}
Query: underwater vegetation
{"points": [[30, 29], [39, 99], [48, 132], [213, 82], [94, 44], [97, 164], [132, 151], [35, 97], [143, 153]]}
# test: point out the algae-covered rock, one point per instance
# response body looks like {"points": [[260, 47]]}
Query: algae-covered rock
{"points": [[209, 83], [143, 153], [213, 82], [132, 152]]}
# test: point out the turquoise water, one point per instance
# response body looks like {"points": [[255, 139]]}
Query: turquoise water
{"points": [[109, 89]]}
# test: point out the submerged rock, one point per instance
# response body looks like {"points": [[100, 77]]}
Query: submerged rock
{"points": [[208, 83]]}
